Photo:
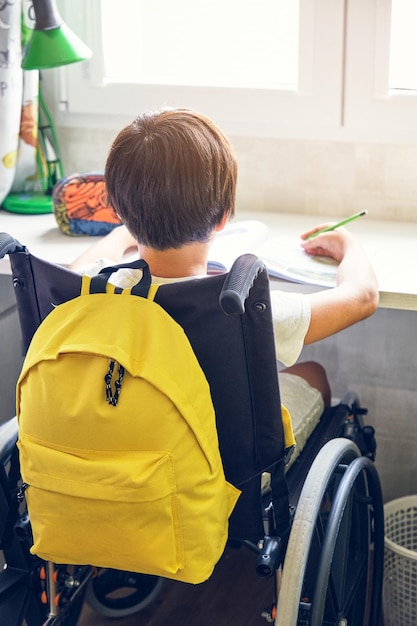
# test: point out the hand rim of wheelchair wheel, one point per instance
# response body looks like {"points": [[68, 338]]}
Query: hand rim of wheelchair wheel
{"points": [[141, 590], [301, 534]]}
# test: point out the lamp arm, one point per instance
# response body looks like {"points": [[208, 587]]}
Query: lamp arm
{"points": [[47, 144]]}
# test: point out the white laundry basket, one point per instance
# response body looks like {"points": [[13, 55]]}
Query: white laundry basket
{"points": [[400, 567]]}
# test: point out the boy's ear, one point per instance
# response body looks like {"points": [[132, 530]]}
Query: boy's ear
{"points": [[221, 224]]}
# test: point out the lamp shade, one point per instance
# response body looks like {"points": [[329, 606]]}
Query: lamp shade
{"points": [[52, 43], [53, 48]]}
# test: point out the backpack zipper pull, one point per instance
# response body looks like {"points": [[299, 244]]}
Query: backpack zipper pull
{"points": [[21, 493], [113, 398]]}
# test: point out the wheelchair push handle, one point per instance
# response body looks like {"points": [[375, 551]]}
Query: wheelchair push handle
{"points": [[9, 244], [238, 283]]}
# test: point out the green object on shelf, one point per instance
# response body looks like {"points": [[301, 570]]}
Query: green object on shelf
{"points": [[31, 203], [50, 169]]}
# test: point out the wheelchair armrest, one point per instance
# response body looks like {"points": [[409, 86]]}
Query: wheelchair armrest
{"points": [[238, 284], [8, 245]]}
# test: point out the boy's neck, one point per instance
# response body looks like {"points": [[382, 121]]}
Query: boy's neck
{"points": [[189, 260]]}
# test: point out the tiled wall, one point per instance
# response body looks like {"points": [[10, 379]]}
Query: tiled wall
{"points": [[377, 358], [329, 178], [304, 176]]}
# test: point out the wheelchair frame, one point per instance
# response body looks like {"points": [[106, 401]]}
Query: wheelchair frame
{"points": [[334, 500]]}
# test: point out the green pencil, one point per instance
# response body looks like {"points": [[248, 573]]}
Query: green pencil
{"points": [[334, 226]]}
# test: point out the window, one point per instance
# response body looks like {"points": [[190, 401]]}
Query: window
{"points": [[254, 103], [207, 43], [374, 107], [328, 69], [403, 45]]}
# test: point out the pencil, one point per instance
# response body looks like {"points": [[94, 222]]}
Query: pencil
{"points": [[341, 223]]}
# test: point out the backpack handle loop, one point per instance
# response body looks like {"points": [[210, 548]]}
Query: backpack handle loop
{"points": [[99, 282]]}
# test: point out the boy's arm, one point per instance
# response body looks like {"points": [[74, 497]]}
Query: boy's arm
{"points": [[356, 295], [113, 246]]}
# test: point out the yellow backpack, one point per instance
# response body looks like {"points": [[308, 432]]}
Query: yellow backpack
{"points": [[118, 443]]}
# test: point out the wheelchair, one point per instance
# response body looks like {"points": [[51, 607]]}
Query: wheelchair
{"points": [[315, 525]]}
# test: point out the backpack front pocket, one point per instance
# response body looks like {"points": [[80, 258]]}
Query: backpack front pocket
{"points": [[110, 499]]}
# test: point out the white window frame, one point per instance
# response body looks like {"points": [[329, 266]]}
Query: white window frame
{"points": [[371, 110], [343, 91], [262, 112]]}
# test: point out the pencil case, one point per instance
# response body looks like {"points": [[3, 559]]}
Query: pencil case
{"points": [[80, 206]]}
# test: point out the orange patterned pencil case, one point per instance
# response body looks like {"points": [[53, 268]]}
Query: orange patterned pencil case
{"points": [[80, 206]]}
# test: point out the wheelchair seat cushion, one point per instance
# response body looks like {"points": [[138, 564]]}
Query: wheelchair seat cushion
{"points": [[305, 405]]}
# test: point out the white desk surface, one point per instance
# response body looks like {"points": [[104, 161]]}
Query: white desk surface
{"points": [[392, 247]]}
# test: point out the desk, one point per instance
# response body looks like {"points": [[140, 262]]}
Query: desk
{"points": [[392, 247], [41, 235]]}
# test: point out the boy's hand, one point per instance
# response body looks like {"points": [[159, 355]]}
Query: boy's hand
{"points": [[355, 295], [332, 244]]}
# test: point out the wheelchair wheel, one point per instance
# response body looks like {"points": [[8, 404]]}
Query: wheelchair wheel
{"points": [[333, 566], [113, 593]]}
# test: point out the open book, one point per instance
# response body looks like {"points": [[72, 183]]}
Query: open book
{"points": [[283, 257]]}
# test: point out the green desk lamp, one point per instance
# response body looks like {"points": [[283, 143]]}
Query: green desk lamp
{"points": [[52, 44]]}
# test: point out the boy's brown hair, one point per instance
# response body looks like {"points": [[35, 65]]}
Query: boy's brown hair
{"points": [[171, 177]]}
